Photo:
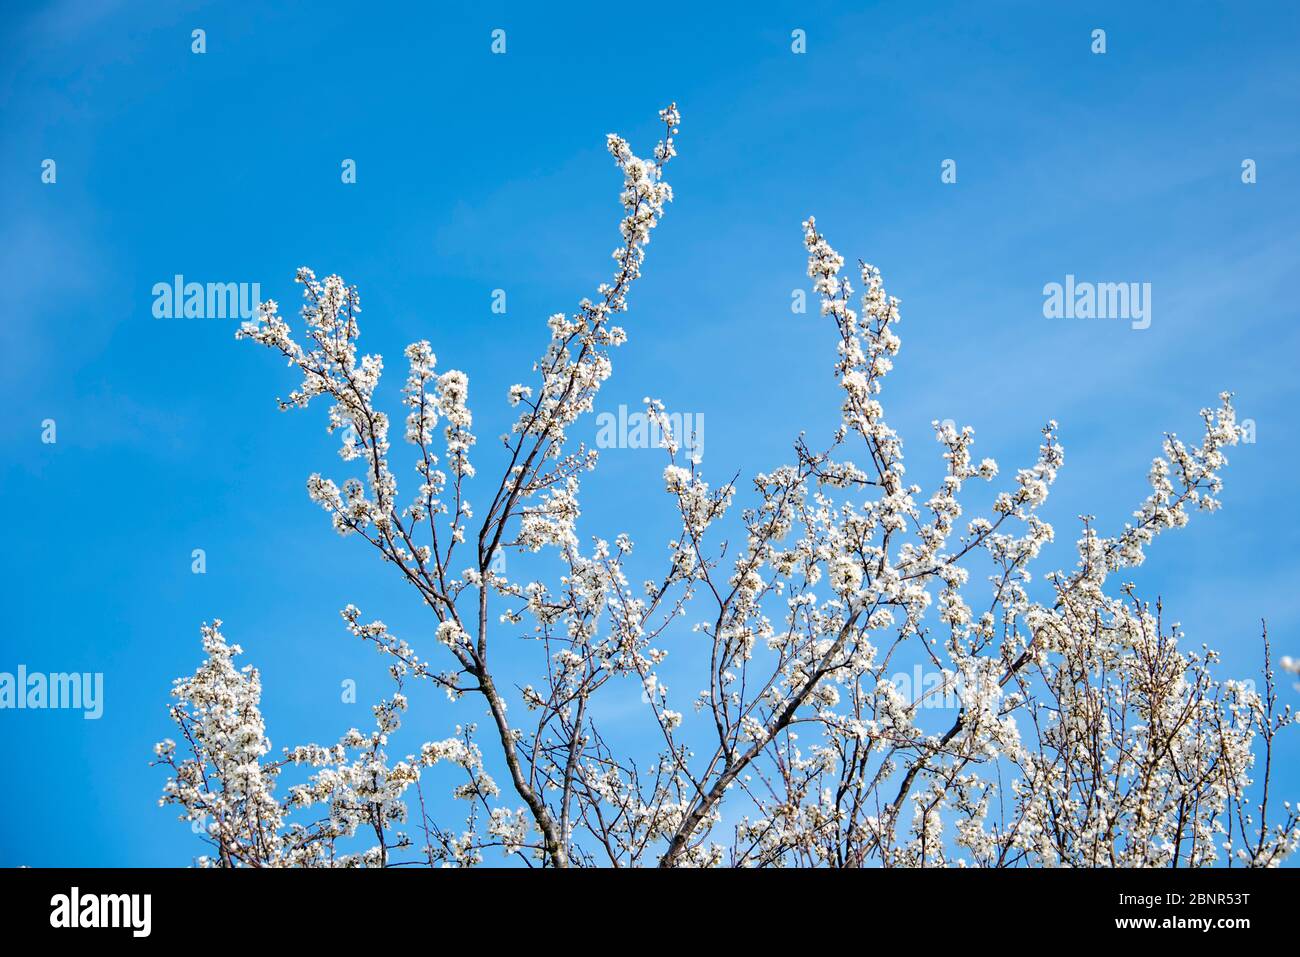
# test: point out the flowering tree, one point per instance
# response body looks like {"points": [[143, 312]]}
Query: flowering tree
{"points": [[1083, 735]]}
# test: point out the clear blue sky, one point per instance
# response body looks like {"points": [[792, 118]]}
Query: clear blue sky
{"points": [[478, 172]]}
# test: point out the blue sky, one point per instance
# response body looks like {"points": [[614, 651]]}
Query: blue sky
{"points": [[477, 172]]}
